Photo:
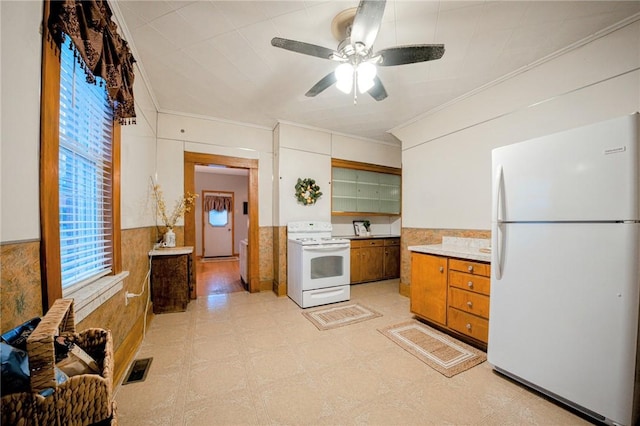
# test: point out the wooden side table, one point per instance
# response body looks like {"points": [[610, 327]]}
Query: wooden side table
{"points": [[171, 278]]}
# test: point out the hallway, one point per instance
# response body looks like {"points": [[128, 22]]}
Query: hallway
{"points": [[218, 276]]}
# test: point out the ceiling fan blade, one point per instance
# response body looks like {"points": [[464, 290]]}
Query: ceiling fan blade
{"points": [[377, 92], [323, 84], [302, 47], [401, 55], [366, 22]]}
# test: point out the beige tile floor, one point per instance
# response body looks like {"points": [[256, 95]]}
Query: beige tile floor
{"points": [[253, 359]]}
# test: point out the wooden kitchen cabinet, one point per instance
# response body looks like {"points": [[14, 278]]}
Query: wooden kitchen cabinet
{"points": [[365, 188], [356, 265], [453, 293], [371, 259], [366, 260], [171, 281], [429, 287], [391, 258], [469, 287]]}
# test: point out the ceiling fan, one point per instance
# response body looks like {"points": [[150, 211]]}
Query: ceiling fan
{"points": [[356, 29]]}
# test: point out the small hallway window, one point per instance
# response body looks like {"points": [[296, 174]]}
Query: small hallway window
{"points": [[218, 218]]}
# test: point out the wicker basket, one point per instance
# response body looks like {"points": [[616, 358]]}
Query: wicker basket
{"points": [[83, 399]]}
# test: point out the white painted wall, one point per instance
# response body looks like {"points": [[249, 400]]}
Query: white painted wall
{"points": [[178, 133], [446, 154], [276, 173], [138, 162], [306, 152], [20, 142], [20, 113], [170, 175], [229, 183], [365, 151]]}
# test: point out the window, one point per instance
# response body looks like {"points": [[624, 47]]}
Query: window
{"points": [[217, 218], [84, 175], [80, 162]]}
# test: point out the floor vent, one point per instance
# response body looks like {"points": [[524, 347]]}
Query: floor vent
{"points": [[138, 371]]}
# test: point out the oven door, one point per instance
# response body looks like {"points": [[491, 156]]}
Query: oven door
{"points": [[325, 265]]}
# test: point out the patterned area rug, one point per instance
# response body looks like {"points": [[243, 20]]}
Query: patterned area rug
{"points": [[340, 315], [439, 351]]}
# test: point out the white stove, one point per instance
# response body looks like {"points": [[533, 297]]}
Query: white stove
{"points": [[318, 265], [310, 241]]}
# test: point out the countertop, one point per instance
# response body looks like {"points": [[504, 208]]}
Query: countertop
{"points": [[366, 237], [169, 251], [464, 248]]}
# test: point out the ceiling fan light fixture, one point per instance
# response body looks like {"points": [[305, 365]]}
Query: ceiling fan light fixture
{"points": [[344, 77], [356, 30], [366, 73]]}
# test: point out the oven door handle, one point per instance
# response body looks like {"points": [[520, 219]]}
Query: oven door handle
{"points": [[329, 247]]}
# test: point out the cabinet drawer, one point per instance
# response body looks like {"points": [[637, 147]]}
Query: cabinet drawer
{"points": [[476, 268], [474, 303], [468, 324], [469, 282], [392, 242], [367, 243]]}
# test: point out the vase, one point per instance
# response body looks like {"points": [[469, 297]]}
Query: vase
{"points": [[169, 238]]}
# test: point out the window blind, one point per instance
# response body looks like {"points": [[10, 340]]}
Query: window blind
{"points": [[85, 170]]}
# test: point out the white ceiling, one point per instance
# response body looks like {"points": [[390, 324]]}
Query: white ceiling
{"points": [[215, 59]]}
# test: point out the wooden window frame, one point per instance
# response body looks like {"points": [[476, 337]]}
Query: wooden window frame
{"points": [[51, 274]]}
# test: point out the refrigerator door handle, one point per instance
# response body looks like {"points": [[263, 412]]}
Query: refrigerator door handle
{"points": [[498, 191], [498, 186]]}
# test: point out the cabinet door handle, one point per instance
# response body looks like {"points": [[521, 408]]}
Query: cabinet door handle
{"points": [[470, 304], [470, 268], [470, 284], [468, 326], [441, 269]]}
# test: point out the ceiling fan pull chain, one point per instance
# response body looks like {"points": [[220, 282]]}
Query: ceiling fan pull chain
{"points": [[355, 88]]}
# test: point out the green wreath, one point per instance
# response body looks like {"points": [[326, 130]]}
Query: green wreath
{"points": [[307, 192]]}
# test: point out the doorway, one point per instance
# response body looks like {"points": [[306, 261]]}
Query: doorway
{"points": [[221, 224], [218, 224], [191, 160]]}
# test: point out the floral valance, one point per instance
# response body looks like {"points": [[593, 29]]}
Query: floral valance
{"points": [[217, 203], [104, 52]]}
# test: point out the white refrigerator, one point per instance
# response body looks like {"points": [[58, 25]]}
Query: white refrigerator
{"points": [[566, 267]]}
